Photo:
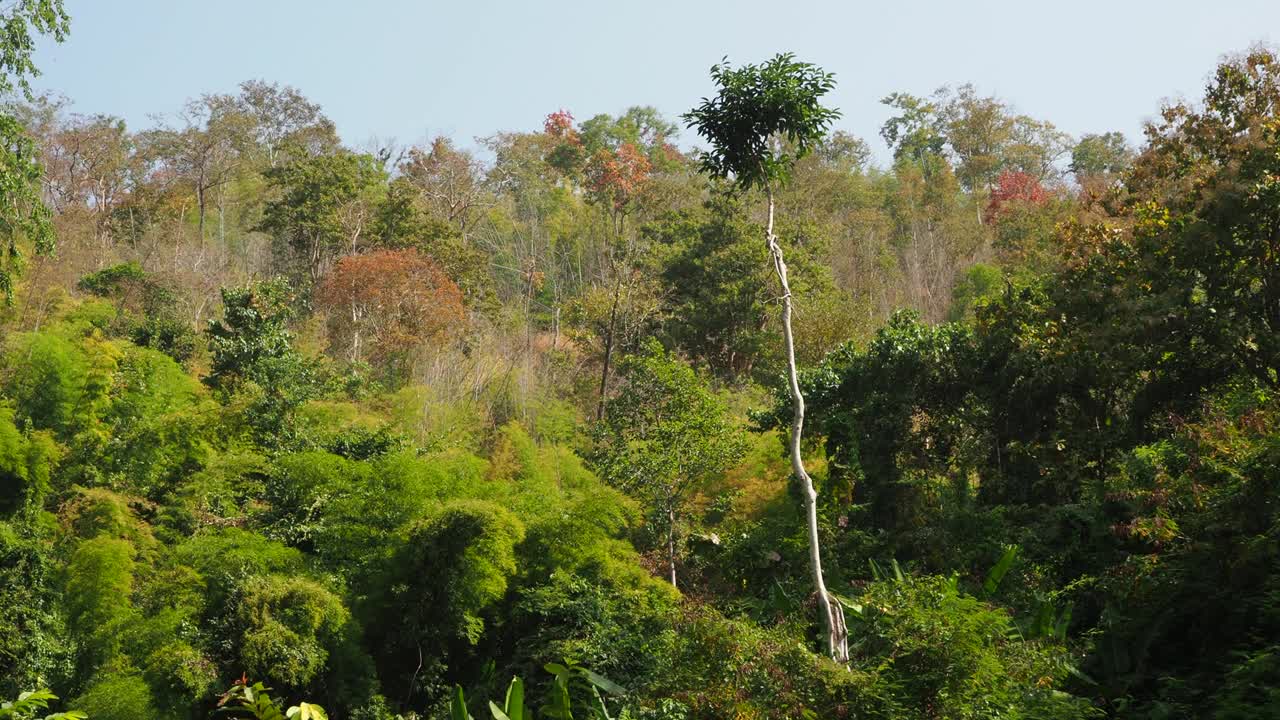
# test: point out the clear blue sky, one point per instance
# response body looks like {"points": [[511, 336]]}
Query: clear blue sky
{"points": [[409, 69]]}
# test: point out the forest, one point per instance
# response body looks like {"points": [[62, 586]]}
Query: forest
{"points": [[640, 417]]}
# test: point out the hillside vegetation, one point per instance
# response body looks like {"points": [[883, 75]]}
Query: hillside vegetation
{"points": [[377, 430]]}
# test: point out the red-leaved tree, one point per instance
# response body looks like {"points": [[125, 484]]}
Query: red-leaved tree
{"points": [[566, 150], [613, 177], [382, 305], [1014, 186]]}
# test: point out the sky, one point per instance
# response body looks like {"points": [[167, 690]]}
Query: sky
{"points": [[408, 70]]}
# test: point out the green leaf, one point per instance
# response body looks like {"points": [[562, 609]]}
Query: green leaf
{"points": [[515, 700], [458, 707], [497, 712], [307, 711], [854, 607], [1064, 622], [999, 570], [602, 682], [598, 709]]}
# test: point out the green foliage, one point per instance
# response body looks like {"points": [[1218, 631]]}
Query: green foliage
{"points": [[31, 703], [978, 284], [252, 355], [664, 435], [942, 652], [513, 707], [914, 133], [452, 569], [252, 336], [225, 556], [315, 196], [1203, 250], [148, 309], [999, 570], [289, 626], [721, 302], [117, 695], [981, 136], [572, 686], [255, 701], [114, 279], [470, 547], [756, 106], [1062, 503], [25, 217], [665, 430], [149, 431], [49, 382], [1100, 155], [34, 644], [26, 464], [100, 580], [619, 626]]}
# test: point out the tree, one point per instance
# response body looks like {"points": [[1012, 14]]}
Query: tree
{"points": [[206, 152], [844, 151], [719, 277], [663, 435], [148, 308], [1035, 148], [916, 133], [401, 222], [613, 178], [1100, 159], [1206, 204], [1013, 187], [756, 107], [451, 181], [22, 214], [285, 122], [453, 567], [288, 626], [614, 160], [977, 130], [254, 330], [391, 300], [324, 206], [981, 135], [252, 350], [88, 162]]}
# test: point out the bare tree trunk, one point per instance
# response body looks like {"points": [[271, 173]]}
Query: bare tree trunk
{"points": [[832, 613], [222, 218], [671, 542], [555, 326], [200, 209], [608, 350], [616, 222]]}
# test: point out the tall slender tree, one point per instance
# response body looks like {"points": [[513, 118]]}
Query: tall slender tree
{"points": [[763, 119]]}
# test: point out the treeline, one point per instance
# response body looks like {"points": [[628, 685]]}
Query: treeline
{"points": [[585, 235]]}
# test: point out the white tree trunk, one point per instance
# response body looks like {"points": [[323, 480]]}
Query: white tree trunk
{"points": [[832, 613], [671, 542]]}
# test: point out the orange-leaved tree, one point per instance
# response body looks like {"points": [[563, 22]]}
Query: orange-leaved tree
{"points": [[382, 305]]}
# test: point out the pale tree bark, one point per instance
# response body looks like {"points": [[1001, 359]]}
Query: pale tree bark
{"points": [[608, 350], [609, 332], [828, 607], [671, 542]]}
